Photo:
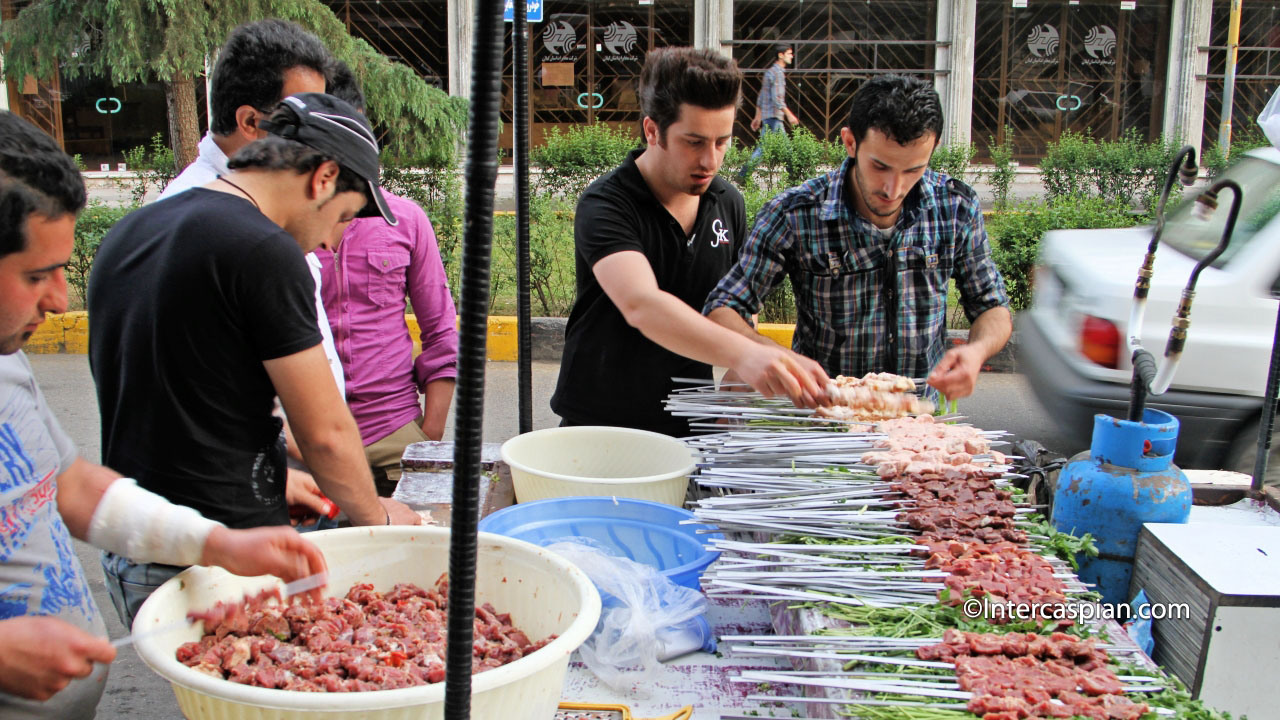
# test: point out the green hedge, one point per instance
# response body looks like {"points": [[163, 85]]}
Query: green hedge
{"points": [[91, 226], [570, 160], [1090, 184], [1130, 170], [1015, 234]]}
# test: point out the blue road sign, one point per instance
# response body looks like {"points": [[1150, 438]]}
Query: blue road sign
{"points": [[533, 11]]}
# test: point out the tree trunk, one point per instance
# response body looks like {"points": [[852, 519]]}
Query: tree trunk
{"points": [[184, 126]]}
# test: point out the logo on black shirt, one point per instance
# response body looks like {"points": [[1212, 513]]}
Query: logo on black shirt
{"points": [[722, 233]]}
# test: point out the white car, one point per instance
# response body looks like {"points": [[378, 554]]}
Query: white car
{"points": [[1071, 342]]}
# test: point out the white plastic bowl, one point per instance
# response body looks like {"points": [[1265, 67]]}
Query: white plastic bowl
{"points": [[591, 460], [544, 594]]}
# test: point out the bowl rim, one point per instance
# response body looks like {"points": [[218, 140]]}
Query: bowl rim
{"points": [[578, 429], [163, 662], [702, 563]]}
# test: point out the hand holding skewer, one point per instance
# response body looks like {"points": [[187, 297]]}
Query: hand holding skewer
{"points": [[957, 373], [774, 370]]}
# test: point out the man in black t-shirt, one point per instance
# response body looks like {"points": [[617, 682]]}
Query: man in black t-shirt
{"points": [[202, 311], [653, 237]]}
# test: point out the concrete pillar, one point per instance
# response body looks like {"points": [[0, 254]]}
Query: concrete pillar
{"points": [[1184, 92], [713, 25], [956, 25], [461, 21]]}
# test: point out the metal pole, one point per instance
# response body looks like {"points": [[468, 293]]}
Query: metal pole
{"points": [[1267, 421], [1229, 85], [477, 245], [520, 143]]}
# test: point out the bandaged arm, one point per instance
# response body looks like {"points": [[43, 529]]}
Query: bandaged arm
{"points": [[115, 514]]}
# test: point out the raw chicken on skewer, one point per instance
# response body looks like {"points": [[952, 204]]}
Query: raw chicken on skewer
{"points": [[872, 397]]}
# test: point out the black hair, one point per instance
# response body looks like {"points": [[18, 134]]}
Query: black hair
{"points": [[276, 153], [903, 107], [673, 76], [36, 177], [344, 86], [779, 49], [251, 66]]}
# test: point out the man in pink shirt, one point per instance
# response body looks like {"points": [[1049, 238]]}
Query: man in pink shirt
{"points": [[364, 286]]}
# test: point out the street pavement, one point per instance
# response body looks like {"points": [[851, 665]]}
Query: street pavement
{"points": [[1002, 401]]}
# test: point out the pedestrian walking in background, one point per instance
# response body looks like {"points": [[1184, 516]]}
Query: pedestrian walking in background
{"points": [[771, 105]]}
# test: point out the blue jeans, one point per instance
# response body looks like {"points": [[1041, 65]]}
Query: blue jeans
{"points": [[767, 126], [323, 523], [129, 584]]}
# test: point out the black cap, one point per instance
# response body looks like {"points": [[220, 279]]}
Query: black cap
{"points": [[334, 127]]}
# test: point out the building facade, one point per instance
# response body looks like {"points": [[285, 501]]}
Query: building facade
{"points": [[1033, 68], [1037, 68]]}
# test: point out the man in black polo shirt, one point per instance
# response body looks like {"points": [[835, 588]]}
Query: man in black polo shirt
{"points": [[653, 238]]}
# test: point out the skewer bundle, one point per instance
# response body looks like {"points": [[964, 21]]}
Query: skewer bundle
{"points": [[999, 677], [865, 530], [852, 401], [891, 525], [839, 517]]}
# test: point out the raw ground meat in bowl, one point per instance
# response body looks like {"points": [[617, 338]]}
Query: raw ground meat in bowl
{"points": [[544, 594]]}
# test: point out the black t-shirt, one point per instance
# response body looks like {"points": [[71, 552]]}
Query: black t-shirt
{"points": [[187, 298], [611, 374]]}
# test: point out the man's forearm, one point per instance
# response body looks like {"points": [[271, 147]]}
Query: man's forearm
{"points": [[291, 443], [991, 330], [336, 460], [727, 318], [669, 322], [437, 397]]}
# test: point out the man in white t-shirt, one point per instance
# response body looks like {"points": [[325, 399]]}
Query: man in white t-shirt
{"points": [[53, 646]]}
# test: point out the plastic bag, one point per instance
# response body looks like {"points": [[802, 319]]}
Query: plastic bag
{"points": [[1269, 119], [1140, 629], [639, 603]]}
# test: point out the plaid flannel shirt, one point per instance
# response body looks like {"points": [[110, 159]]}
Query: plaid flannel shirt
{"points": [[865, 302], [773, 94]]}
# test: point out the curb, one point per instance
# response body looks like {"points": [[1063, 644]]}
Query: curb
{"points": [[64, 333], [69, 333]]}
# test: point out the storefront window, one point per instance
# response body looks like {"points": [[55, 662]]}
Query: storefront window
{"points": [[1088, 67], [101, 120], [838, 45], [585, 60], [1257, 66], [412, 32]]}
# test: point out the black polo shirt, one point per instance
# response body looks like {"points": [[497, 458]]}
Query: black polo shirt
{"points": [[610, 373]]}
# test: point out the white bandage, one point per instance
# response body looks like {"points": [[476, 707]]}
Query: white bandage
{"points": [[144, 527]]}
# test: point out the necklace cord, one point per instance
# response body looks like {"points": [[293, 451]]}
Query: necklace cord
{"points": [[246, 192]]}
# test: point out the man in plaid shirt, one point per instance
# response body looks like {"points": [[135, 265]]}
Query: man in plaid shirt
{"points": [[870, 248]]}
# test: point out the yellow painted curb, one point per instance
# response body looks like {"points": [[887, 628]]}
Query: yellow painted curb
{"points": [[69, 333], [778, 332], [64, 333]]}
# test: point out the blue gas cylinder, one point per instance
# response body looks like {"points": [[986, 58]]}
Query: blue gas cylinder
{"points": [[1126, 479]]}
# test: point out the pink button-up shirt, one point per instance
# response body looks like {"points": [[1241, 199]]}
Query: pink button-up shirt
{"points": [[364, 286]]}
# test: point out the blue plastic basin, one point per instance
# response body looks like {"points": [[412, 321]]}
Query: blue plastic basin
{"points": [[647, 532]]}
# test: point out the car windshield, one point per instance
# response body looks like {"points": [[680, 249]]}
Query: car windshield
{"points": [[1260, 180]]}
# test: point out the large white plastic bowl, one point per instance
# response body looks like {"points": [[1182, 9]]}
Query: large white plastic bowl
{"points": [[591, 460], [544, 594]]}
